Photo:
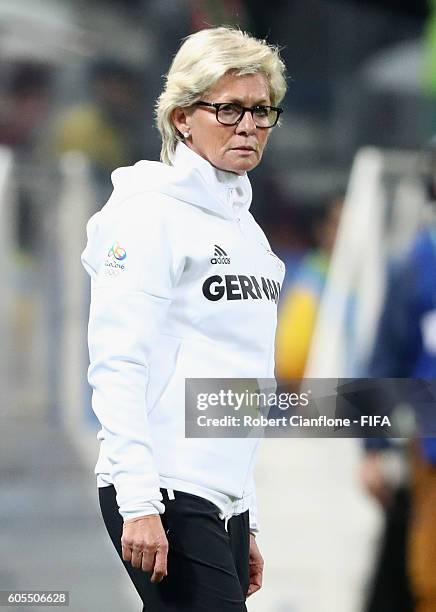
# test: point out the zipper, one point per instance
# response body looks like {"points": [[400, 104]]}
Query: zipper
{"points": [[239, 224], [236, 216]]}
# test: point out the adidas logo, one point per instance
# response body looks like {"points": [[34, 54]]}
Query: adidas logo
{"points": [[220, 256]]}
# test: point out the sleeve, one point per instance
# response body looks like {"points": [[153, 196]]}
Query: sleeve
{"points": [[394, 347], [135, 268]]}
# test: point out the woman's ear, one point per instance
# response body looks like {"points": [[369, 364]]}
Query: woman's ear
{"points": [[181, 121]]}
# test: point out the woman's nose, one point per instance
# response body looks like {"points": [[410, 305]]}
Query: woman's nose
{"points": [[246, 124]]}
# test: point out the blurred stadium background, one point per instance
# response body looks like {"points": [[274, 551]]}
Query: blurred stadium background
{"points": [[78, 82]]}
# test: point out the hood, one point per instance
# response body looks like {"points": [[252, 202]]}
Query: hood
{"points": [[191, 179]]}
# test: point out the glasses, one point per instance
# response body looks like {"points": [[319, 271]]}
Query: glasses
{"points": [[231, 113]]}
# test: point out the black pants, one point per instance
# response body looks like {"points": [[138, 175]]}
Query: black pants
{"points": [[207, 565]]}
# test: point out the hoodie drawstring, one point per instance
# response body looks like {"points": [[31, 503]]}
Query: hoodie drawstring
{"points": [[225, 517]]}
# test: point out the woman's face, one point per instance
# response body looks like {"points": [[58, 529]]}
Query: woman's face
{"points": [[235, 148]]}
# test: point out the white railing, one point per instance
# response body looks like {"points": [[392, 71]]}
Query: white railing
{"points": [[7, 226], [76, 203], [351, 303]]}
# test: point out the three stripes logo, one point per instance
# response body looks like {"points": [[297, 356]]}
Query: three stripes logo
{"points": [[219, 256]]}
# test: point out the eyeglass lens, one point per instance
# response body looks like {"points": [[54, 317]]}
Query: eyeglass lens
{"points": [[263, 116]]}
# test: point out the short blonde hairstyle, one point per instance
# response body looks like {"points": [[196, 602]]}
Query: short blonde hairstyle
{"points": [[201, 61]]}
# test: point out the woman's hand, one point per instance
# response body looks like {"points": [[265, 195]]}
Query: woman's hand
{"points": [[145, 545], [255, 567]]}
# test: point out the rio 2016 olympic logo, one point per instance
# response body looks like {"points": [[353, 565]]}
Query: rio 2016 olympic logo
{"points": [[117, 251]]}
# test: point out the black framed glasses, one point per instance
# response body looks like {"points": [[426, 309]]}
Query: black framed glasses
{"points": [[231, 113]]}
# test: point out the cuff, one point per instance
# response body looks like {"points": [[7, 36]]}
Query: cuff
{"points": [[153, 507]]}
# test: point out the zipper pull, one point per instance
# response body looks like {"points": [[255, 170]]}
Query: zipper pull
{"points": [[238, 221]]}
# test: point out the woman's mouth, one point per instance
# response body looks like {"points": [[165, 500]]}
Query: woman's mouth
{"points": [[244, 149]]}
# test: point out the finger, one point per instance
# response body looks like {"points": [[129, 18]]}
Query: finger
{"points": [[136, 559], [256, 579], [147, 560], [126, 552], [252, 589], [156, 578], [160, 564]]}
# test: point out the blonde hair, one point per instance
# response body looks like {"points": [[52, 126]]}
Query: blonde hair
{"points": [[203, 58]]}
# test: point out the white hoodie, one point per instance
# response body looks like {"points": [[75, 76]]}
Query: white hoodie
{"points": [[184, 284]]}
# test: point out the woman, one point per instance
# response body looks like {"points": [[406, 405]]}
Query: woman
{"points": [[182, 286]]}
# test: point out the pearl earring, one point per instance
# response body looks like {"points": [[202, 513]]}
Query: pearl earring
{"points": [[186, 134]]}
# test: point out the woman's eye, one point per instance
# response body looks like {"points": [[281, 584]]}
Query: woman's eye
{"points": [[230, 108], [261, 111]]}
